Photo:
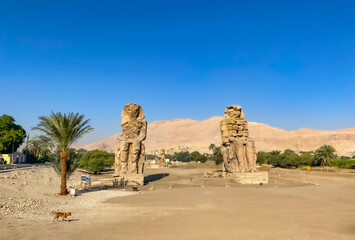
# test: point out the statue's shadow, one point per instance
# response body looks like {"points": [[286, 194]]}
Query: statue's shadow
{"points": [[154, 177]]}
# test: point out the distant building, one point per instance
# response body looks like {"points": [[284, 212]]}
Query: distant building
{"points": [[14, 158], [177, 149]]}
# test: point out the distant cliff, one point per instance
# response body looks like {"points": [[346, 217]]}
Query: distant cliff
{"points": [[198, 135]]}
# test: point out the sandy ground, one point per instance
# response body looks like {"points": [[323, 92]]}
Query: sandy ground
{"points": [[183, 205]]}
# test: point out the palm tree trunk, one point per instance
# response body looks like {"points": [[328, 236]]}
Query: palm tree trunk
{"points": [[63, 172]]}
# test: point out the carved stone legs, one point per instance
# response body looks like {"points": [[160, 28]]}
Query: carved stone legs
{"points": [[239, 156], [124, 148], [130, 158]]}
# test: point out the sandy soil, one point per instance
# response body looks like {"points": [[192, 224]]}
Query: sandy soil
{"points": [[183, 205]]}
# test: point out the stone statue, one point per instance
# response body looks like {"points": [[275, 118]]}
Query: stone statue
{"points": [[238, 150], [130, 153], [162, 162]]}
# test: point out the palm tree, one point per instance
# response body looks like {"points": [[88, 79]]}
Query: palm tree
{"points": [[323, 155], [40, 146], [211, 147], [72, 162], [63, 130]]}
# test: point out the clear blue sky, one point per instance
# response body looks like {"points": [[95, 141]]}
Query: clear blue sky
{"points": [[290, 64]]}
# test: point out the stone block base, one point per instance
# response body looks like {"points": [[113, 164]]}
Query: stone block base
{"points": [[249, 178], [130, 179]]}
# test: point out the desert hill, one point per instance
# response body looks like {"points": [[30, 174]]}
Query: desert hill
{"points": [[198, 135]]}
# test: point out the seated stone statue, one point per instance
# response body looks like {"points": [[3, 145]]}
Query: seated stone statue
{"points": [[237, 149], [162, 162], [130, 153]]}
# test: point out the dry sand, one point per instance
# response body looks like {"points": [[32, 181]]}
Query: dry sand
{"points": [[320, 205]]}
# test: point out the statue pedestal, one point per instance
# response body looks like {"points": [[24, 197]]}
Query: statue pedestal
{"points": [[249, 178], [130, 179]]}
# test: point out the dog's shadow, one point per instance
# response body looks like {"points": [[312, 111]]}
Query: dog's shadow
{"points": [[73, 220]]}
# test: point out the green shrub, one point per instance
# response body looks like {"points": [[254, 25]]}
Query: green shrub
{"points": [[286, 159], [198, 157], [306, 159], [95, 161], [262, 157], [181, 156], [150, 156], [343, 163]]}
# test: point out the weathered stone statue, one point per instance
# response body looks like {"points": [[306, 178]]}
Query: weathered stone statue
{"points": [[162, 162], [130, 153], [238, 150]]}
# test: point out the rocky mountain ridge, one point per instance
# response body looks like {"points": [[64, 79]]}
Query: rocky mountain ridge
{"points": [[198, 135]]}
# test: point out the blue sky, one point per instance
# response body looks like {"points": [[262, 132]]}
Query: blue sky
{"points": [[290, 64]]}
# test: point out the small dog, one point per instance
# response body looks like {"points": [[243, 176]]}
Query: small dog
{"points": [[62, 215]]}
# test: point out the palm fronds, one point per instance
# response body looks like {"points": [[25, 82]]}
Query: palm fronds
{"points": [[64, 129]]}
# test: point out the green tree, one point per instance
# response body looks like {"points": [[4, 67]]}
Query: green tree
{"points": [[216, 154], [63, 130], [323, 155], [279, 161], [150, 156], [211, 147], [95, 161], [263, 157], [11, 134], [198, 157], [182, 156], [306, 158], [292, 158], [284, 160], [40, 146]]}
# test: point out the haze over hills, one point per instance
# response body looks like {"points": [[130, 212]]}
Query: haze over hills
{"points": [[198, 135]]}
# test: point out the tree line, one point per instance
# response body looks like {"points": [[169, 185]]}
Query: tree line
{"points": [[323, 156]]}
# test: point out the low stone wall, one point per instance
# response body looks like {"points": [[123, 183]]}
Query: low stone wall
{"points": [[249, 178]]}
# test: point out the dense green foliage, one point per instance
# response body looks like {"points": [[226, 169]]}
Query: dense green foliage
{"points": [[323, 155], [95, 161], [11, 134], [179, 156], [40, 147], [150, 156], [198, 157], [216, 154], [63, 129], [188, 157], [266, 157], [342, 163], [286, 159]]}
